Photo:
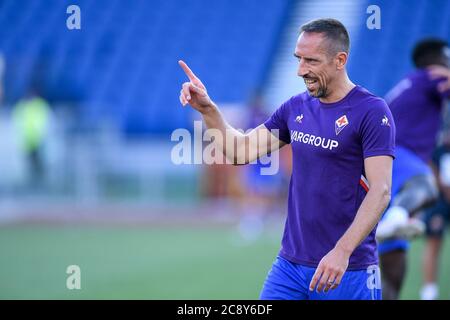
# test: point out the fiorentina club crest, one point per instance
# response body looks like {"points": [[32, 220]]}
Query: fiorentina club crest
{"points": [[340, 124]]}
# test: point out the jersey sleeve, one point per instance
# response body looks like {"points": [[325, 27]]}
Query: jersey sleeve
{"points": [[277, 123], [377, 130]]}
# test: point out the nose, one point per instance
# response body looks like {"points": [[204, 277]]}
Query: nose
{"points": [[302, 69]]}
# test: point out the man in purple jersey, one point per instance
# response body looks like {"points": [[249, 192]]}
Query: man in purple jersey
{"points": [[416, 103], [342, 140]]}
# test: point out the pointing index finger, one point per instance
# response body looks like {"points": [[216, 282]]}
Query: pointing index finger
{"points": [[187, 70]]}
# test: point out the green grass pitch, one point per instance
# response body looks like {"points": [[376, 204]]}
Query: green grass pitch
{"points": [[150, 263]]}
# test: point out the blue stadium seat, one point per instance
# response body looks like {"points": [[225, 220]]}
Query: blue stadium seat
{"points": [[380, 58], [123, 61]]}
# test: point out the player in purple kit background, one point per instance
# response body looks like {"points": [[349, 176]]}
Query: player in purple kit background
{"points": [[416, 103], [342, 140], [436, 218]]}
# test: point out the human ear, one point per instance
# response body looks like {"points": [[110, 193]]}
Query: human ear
{"points": [[341, 60]]}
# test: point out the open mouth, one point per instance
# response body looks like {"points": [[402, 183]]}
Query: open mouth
{"points": [[310, 82]]}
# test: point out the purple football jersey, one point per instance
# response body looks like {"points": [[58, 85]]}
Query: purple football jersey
{"points": [[329, 144], [416, 105]]}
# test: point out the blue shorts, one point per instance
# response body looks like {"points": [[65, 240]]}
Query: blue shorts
{"points": [[405, 166], [290, 281]]}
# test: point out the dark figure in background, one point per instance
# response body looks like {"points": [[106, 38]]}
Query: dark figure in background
{"points": [[436, 220], [416, 103]]}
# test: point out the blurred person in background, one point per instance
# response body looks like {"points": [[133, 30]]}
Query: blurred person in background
{"points": [[436, 219], [262, 188], [31, 117], [221, 183], [416, 103], [262, 193]]}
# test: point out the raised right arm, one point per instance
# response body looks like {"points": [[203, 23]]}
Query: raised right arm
{"points": [[239, 148]]}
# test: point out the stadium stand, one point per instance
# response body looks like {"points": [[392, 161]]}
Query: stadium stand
{"points": [[122, 64], [380, 58]]}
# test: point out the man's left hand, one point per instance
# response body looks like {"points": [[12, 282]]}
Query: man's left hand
{"points": [[330, 270]]}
